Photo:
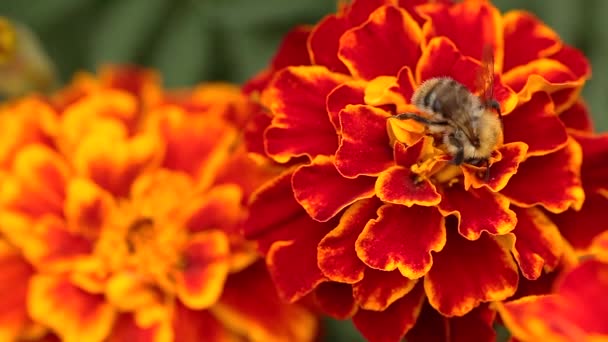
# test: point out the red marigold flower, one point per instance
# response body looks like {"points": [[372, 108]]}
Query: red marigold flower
{"points": [[575, 312], [120, 214], [370, 216]]}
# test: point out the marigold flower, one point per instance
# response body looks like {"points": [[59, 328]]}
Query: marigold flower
{"points": [[120, 214], [369, 217]]}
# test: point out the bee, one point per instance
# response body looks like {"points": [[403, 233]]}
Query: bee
{"points": [[470, 125]]}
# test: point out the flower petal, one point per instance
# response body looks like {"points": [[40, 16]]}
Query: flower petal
{"points": [[387, 29], [336, 252], [399, 185], [188, 326], [324, 40], [538, 113], [323, 192], [393, 323], [538, 243], [335, 300], [70, 312], [250, 307], [461, 21], [364, 147], [556, 180], [379, 289], [501, 171], [126, 328], [14, 280], [579, 227], [219, 208], [301, 125], [346, 93], [466, 205], [205, 268], [527, 39], [595, 157], [469, 262], [402, 238], [431, 326], [577, 117], [87, 207]]}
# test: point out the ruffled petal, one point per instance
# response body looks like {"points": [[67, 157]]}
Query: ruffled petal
{"points": [[399, 185], [577, 117], [73, 314], [324, 42], [364, 147], [323, 192], [469, 262], [555, 177], [258, 314], [500, 172], [219, 208], [527, 39], [126, 328], [201, 277], [387, 29], [379, 289], [14, 280], [393, 323], [400, 239], [352, 93], [595, 161], [198, 325], [301, 125], [335, 299], [538, 243], [336, 252], [87, 207], [538, 113], [466, 205]]}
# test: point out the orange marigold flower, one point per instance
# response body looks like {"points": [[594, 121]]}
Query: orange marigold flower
{"points": [[121, 207], [370, 216]]}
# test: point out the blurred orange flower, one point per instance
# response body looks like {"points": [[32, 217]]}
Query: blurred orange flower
{"points": [[370, 217], [120, 216]]}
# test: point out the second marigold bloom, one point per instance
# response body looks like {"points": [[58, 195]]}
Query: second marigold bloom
{"points": [[370, 216], [120, 216]]}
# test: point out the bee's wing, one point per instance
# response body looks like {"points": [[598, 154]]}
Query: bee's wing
{"points": [[485, 76]]}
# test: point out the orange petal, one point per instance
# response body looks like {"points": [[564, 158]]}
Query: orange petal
{"points": [[126, 328], [87, 207], [362, 45], [352, 93], [220, 208], [399, 185], [188, 326], [70, 312], [201, 280], [379, 289], [394, 322], [323, 192], [469, 261], [400, 239], [14, 280], [501, 171]]}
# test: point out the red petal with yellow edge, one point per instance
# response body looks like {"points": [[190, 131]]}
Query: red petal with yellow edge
{"points": [[388, 29], [497, 218], [500, 172], [555, 178], [205, 267], [406, 82], [541, 74], [293, 49], [575, 60], [198, 325], [126, 329], [250, 307], [464, 20], [254, 132], [335, 299], [41, 181], [347, 93], [431, 326], [577, 312], [87, 207], [300, 126], [323, 192], [194, 144], [324, 40], [271, 205], [538, 243], [580, 227], [393, 323], [336, 252], [527, 39], [577, 117], [402, 238], [470, 262], [364, 147], [379, 289], [14, 280], [219, 208], [70, 312], [399, 185], [595, 160], [538, 113]]}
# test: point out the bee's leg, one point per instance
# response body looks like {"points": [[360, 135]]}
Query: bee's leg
{"points": [[493, 103], [486, 176], [459, 156], [418, 118]]}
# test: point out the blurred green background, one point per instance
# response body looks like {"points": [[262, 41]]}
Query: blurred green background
{"points": [[196, 40], [191, 41]]}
